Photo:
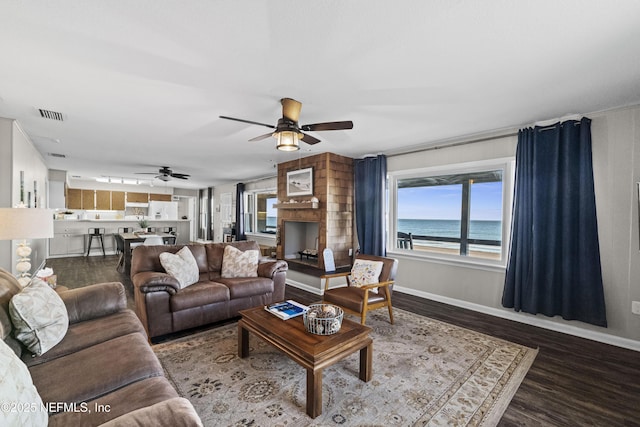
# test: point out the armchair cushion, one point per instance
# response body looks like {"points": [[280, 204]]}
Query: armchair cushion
{"points": [[237, 263], [365, 272], [39, 317], [352, 298], [182, 265]]}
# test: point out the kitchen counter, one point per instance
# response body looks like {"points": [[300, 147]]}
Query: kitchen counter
{"points": [[70, 236], [119, 220]]}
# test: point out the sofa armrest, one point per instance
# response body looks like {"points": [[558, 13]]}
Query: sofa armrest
{"points": [[270, 268], [176, 412], [155, 281], [91, 302]]}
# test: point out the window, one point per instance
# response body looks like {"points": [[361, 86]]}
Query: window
{"points": [[260, 216], [455, 212]]}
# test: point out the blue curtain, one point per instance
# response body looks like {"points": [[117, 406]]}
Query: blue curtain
{"points": [[240, 212], [554, 263], [370, 199]]}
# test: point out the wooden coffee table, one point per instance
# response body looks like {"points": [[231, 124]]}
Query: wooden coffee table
{"points": [[312, 352]]}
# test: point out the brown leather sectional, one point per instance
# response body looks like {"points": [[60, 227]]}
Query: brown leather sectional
{"points": [[165, 308], [104, 361]]}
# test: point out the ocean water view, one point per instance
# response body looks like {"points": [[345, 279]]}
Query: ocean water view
{"points": [[484, 229], [478, 229]]}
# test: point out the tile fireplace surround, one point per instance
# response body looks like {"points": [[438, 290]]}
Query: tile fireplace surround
{"points": [[333, 187]]}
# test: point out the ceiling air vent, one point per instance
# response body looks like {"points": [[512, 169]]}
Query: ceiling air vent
{"points": [[61, 156], [48, 114]]}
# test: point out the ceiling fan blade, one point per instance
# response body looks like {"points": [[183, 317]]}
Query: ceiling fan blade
{"points": [[291, 108], [146, 173], [180, 175], [309, 139], [248, 121], [328, 126], [261, 137]]}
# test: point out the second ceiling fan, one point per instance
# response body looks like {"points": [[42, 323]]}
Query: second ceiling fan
{"points": [[288, 132]]}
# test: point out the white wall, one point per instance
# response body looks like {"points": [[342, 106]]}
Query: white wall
{"points": [[6, 184], [616, 154], [19, 154]]}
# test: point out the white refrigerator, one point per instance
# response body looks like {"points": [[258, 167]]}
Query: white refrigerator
{"points": [[163, 210]]}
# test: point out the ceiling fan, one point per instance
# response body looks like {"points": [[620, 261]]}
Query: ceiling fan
{"points": [[165, 174], [288, 132]]}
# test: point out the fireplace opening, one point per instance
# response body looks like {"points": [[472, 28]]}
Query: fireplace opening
{"points": [[301, 242]]}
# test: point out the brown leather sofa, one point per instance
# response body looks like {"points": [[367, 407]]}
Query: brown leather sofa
{"points": [[104, 359], [165, 308]]}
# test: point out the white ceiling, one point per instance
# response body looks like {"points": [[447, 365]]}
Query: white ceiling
{"points": [[141, 83]]}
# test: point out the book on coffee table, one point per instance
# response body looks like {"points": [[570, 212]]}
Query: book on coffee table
{"points": [[286, 309]]}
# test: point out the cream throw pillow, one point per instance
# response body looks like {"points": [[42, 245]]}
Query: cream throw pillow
{"points": [[39, 316], [16, 388], [236, 263], [365, 272], [181, 265]]}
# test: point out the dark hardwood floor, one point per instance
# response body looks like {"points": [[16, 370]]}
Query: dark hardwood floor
{"points": [[573, 381]]}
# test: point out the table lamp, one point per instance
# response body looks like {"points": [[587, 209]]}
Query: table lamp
{"points": [[21, 224]]}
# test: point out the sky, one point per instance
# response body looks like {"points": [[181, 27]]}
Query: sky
{"points": [[444, 202]]}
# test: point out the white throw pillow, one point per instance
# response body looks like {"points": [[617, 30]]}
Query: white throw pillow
{"points": [[39, 317], [365, 272], [17, 390], [236, 263], [181, 265]]}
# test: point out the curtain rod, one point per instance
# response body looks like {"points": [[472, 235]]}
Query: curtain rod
{"points": [[456, 144]]}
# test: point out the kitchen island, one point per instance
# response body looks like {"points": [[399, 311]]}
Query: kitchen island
{"points": [[71, 235]]}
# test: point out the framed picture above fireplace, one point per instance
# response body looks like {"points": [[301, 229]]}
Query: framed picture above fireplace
{"points": [[300, 182]]}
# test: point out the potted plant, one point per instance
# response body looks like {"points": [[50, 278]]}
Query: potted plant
{"points": [[144, 224]]}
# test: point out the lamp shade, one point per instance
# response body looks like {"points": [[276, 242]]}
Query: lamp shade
{"points": [[25, 223], [287, 141]]}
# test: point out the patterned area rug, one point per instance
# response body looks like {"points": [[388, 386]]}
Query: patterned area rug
{"points": [[425, 372]]}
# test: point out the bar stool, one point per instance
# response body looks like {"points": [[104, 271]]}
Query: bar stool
{"points": [[98, 233]]}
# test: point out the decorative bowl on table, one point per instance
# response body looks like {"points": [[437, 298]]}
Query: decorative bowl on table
{"points": [[323, 319]]}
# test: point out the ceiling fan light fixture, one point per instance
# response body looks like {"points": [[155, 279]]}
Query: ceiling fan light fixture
{"points": [[287, 140]]}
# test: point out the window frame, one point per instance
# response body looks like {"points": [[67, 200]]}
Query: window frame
{"points": [[254, 211], [506, 164]]}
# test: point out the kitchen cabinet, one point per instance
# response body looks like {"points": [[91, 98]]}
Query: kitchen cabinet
{"points": [[117, 200], [88, 199], [103, 200], [160, 197], [74, 198], [137, 197], [67, 241]]}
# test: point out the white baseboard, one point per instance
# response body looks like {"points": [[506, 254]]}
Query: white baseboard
{"points": [[304, 287], [528, 319]]}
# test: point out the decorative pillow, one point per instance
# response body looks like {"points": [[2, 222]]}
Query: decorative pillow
{"points": [[365, 272], [236, 263], [39, 316], [181, 265], [16, 388]]}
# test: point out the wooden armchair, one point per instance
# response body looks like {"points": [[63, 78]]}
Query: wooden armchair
{"points": [[359, 300]]}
